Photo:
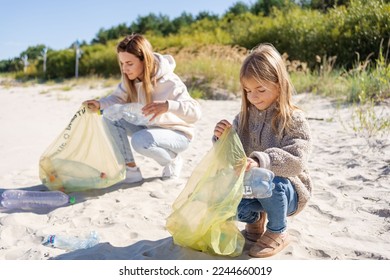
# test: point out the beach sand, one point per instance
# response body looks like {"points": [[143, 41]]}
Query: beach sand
{"points": [[347, 218]]}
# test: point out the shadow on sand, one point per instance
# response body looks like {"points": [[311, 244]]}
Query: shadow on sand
{"points": [[163, 249], [80, 197]]}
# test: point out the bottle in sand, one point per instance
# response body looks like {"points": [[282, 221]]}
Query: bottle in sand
{"points": [[23, 199], [71, 243]]}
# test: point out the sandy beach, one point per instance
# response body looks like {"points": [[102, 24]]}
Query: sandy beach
{"points": [[348, 217]]}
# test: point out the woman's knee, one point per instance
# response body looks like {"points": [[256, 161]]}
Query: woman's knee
{"points": [[141, 140]]}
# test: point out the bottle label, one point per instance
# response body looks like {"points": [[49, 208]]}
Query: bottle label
{"points": [[51, 239]]}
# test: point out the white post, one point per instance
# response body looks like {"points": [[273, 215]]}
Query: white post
{"points": [[44, 54], [78, 54], [25, 62]]}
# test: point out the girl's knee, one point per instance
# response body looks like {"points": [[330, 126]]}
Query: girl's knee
{"points": [[246, 212], [247, 216], [281, 184]]}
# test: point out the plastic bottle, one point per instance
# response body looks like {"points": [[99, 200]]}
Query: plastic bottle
{"points": [[71, 243], [132, 112], [22, 199], [114, 112], [258, 183]]}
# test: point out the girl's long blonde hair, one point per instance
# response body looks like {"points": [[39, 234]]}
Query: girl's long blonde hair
{"points": [[139, 46], [265, 63]]}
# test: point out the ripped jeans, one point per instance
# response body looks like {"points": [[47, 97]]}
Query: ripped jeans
{"points": [[160, 144], [282, 203]]}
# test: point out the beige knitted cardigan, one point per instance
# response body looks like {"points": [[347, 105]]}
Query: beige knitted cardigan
{"points": [[285, 156]]}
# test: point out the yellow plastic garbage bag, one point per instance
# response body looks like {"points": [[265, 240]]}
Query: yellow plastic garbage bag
{"points": [[203, 216], [82, 157]]}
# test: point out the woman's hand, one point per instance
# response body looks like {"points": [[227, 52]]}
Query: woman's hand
{"points": [[155, 108], [92, 105], [220, 128]]}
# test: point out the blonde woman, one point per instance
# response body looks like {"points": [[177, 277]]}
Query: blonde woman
{"points": [[275, 136], [148, 78]]}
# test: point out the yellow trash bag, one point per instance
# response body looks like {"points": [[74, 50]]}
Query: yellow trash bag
{"points": [[82, 157], [203, 216]]}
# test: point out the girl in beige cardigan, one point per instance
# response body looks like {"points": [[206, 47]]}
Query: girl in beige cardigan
{"points": [[276, 136]]}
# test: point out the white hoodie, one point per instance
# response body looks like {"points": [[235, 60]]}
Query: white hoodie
{"points": [[183, 110]]}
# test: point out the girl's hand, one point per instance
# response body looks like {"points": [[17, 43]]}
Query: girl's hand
{"points": [[220, 128], [92, 105], [250, 163], [155, 108]]}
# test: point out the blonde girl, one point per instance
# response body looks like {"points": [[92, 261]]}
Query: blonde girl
{"points": [[276, 136]]}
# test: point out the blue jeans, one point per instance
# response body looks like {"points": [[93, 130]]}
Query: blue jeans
{"points": [[160, 144], [283, 202]]}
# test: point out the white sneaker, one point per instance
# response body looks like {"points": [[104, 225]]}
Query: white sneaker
{"points": [[173, 169], [133, 175]]}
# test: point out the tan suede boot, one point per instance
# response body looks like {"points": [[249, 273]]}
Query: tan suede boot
{"points": [[269, 244], [254, 231]]}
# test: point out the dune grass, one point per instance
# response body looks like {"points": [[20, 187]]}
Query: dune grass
{"points": [[212, 68]]}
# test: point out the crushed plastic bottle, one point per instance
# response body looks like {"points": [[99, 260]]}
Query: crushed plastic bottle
{"points": [[71, 243], [114, 112], [131, 112], [258, 183], [22, 199]]}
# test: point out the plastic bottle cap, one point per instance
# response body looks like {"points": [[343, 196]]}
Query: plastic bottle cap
{"points": [[72, 200]]}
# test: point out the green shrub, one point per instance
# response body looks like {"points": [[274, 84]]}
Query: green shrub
{"points": [[60, 64], [370, 82], [360, 28], [100, 60]]}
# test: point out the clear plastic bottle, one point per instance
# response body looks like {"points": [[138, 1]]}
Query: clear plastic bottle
{"points": [[71, 243], [258, 183], [22, 199], [114, 112], [132, 112]]}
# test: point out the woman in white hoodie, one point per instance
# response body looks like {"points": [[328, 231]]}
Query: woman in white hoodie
{"points": [[148, 78]]}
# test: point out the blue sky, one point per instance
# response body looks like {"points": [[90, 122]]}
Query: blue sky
{"points": [[57, 24]]}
